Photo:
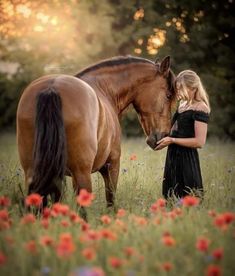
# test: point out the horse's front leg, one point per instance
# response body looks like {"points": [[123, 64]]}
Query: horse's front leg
{"points": [[110, 173]]}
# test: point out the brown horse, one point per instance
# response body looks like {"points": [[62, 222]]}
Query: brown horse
{"points": [[70, 124]]}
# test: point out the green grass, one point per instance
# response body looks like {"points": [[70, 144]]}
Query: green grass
{"points": [[139, 187]]}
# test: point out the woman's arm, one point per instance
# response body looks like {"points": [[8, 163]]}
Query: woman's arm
{"points": [[197, 142]]}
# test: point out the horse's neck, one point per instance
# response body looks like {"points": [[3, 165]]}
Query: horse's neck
{"points": [[119, 87]]}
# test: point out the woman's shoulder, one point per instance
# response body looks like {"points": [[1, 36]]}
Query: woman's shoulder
{"points": [[201, 112], [201, 107]]}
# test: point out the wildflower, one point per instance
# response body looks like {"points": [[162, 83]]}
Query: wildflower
{"points": [[121, 213], [93, 235], [74, 217], [85, 226], [154, 208], [46, 241], [88, 271], [33, 200], [85, 198], [64, 223], [189, 201], [28, 219], [129, 251], [218, 253], [167, 266], [161, 202], [59, 209], [158, 205], [202, 244], [121, 224], [4, 201], [108, 234], [115, 262], [46, 213], [45, 270], [31, 247], [228, 217], [168, 240], [65, 247], [3, 259], [45, 223], [89, 253], [105, 219], [4, 215], [211, 213], [133, 157], [223, 220], [140, 220], [213, 270]]}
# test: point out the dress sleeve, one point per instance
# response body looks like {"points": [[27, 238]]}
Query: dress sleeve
{"points": [[201, 116]]}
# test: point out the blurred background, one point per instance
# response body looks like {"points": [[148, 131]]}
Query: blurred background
{"points": [[46, 37]]}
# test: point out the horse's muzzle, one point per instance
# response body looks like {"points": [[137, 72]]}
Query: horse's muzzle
{"points": [[153, 138]]}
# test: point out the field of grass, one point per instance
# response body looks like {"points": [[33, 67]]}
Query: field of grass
{"points": [[172, 240]]}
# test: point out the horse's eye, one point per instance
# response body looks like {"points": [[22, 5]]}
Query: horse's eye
{"points": [[168, 95]]}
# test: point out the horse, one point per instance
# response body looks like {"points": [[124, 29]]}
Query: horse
{"points": [[69, 125]]}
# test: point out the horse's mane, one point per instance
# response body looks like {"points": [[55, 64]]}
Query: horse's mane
{"points": [[119, 60]]}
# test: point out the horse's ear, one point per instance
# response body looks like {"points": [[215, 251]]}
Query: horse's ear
{"points": [[157, 61], [165, 66]]}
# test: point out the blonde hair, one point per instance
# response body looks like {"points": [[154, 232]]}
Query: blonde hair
{"points": [[189, 79]]}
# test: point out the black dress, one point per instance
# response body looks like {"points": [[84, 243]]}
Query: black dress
{"points": [[182, 174]]}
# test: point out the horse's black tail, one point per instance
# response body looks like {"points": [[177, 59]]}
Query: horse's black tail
{"points": [[49, 144]]}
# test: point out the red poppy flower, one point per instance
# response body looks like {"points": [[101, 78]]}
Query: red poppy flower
{"points": [[108, 234], [85, 198], [31, 247], [115, 262], [218, 253], [46, 241], [46, 213], [189, 201], [33, 200], [45, 223], [4, 201], [167, 266], [133, 157], [4, 215], [89, 253], [121, 213], [202, 244], [105, 219], [129, 251], [60, 209], [28, 219], [168, 240], [3, 259], [66, 247], [213, 270]]}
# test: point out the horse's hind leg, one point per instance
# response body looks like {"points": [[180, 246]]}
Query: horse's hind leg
{"points": [[25, 141], [110, 173]]}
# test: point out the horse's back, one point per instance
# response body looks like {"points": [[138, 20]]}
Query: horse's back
{"points": [[78, 98]]}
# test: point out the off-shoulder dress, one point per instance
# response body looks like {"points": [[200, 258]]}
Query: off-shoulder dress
{"points": [[182, 173]]}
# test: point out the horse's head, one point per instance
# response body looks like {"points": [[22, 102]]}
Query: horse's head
{"points": [[154, 100]]}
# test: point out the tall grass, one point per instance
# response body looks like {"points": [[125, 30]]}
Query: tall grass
{"points": [[139, 187]]}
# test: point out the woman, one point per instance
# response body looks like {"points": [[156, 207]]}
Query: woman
{"points": [[182, 173]]}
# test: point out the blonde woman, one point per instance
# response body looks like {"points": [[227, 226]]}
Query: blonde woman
{"points": [[182, 173]]}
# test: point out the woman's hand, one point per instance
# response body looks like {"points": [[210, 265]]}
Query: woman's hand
{"points": [[164, 143]]}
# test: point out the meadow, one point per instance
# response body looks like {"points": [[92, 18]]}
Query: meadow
{"points": [[142, 236]]}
